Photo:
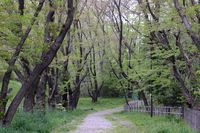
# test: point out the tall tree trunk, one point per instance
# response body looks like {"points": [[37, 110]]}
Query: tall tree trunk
{"points": [[75, 94], [143, 97], [120, 32], [46, 59], [66, 76], [94, 94], [29, 99], [186, 93], [74, 97], [185, 56], [194, 36], [53, 88], [40, 93], [11, 62]]}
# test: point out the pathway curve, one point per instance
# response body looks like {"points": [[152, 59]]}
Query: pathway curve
{"points": [[97, 123]]}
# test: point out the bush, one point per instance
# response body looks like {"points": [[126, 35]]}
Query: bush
{"points": [[111, 88]]}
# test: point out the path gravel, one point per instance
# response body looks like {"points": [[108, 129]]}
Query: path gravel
{"points": [[96, 122]]}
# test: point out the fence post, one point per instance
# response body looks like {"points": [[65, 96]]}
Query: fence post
{"points": [[182, 112], [151, 105]]}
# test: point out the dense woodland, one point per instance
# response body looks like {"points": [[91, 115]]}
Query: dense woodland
{"points": [[61, 49]]}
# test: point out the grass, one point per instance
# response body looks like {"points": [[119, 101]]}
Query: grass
{"points": [[143, 123], [103, 103], [58, 121], [119, 127], [38, 122]]}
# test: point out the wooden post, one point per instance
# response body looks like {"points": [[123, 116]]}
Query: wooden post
{"points": [[151, 105], [68, 99], [182, 112]]}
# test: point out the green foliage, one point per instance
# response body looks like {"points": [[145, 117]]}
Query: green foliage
{"points": [[111, 88]]}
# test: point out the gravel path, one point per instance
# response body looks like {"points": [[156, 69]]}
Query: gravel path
{"points": [[96, 122]]}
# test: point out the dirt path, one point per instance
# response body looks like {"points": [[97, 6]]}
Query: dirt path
{"points": [[97, 123]]}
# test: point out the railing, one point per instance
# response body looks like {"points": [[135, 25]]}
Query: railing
{"points": [[138, 106], [192, 117]]}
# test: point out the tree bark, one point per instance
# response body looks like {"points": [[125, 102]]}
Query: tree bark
{"points": [[11, 62], [29, 99], [53, 88], [95, 93], [195, 38], [185, 56], [21, 7], [190, 100], [46, 59], [40, 93], [66, 74]]}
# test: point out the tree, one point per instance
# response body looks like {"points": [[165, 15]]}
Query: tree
{"points": [[46, 59], [14, 57]]}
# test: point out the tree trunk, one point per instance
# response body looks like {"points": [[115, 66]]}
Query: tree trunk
{"points": [[143, 97], [185, 56], [194, 36], [40, 94], [53, 88], [94, 98], [46, 59], [75, 94], [11, 62], [74, 98], [184, 89], [29, 99], [94, 94]]}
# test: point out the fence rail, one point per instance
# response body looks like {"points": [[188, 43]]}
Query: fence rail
{"points": [[138, 106]]}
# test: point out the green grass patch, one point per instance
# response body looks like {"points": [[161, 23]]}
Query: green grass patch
{"points": [[38, 122], [143, 123], [58, 121], [103, 103]]}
